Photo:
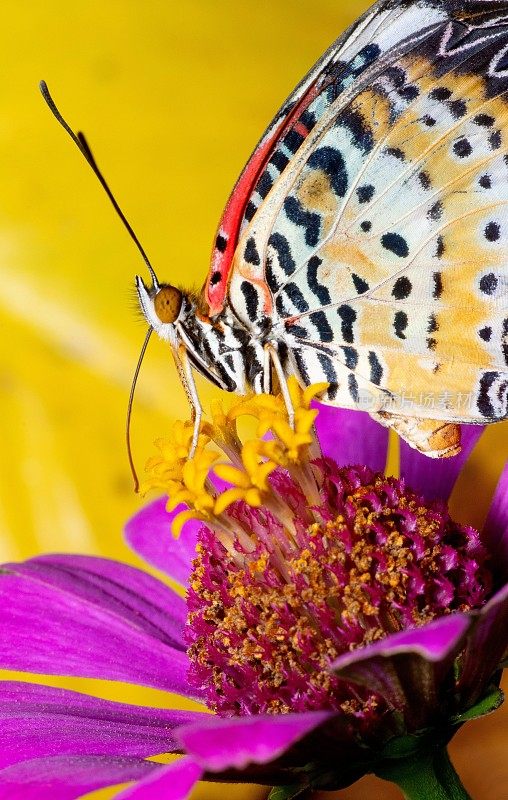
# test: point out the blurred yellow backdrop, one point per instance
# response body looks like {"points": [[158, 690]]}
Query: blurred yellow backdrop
{"points": [[172, 96]]}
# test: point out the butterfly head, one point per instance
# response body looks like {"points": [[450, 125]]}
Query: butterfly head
{"points": [[161, 305]]}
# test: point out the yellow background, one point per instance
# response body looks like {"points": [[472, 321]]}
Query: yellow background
{"points": [[172, 96]]}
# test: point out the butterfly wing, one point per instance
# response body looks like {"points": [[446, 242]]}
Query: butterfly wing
{"points": [[363, 44], [381, 251]]}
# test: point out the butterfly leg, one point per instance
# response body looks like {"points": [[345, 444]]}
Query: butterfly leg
{"points": [[434, 438], [187, 378], [272, 357]]}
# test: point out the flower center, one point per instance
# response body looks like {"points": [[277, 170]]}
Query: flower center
{"points": [[264, 626], [301, 561]]}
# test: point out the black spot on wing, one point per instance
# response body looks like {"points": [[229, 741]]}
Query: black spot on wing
{"points": [[488, 283], [440, 93], [353, 387], [320, 291], [437, 291], [409, 93], [251, 299], [425, 179], [281, 246], [365, 193], [360, 285], [251, 254], [280, 305], [435, 212], [395, 152], [492, 231], [250, 210], [293, 293], [308, 119], [292, 140], [264, 184], [400, 322], [495, 140], [366, 225], [432, 324], [331, 162], [329, 373], [279, 160], [361, 133], [396, 244], [485, 333], [320, 321], [402, 288], [344, 71], [396, 75], [285, 260], [350, 357], [462, 148], [347, 316], [271, 279], [308, 220], [376, 370], [297, 331], [221, 242], [504, 340], [458, 108], [484, 120], [301, 365], [484, 402]]}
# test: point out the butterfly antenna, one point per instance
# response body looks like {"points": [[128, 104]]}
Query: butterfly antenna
{"points": [[82, 144], [129, 409]]}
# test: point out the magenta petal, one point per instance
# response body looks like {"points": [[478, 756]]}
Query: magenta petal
{"points": [[38, 721], [149, 534], [173, 782], [486, 647], [219, 744], [351, 437], [495, 531], [58, 618], [433, 641], [68, 777], [435, 478], [155, 606], [408, 668]]}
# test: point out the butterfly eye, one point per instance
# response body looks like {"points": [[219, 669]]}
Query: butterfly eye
{"points": [[167, 303]]}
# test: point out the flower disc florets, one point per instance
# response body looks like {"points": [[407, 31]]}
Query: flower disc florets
{"points": [[302, 561], [264, 631]]}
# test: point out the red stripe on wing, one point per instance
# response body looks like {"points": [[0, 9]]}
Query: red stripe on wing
{"points": [[229, 226]]}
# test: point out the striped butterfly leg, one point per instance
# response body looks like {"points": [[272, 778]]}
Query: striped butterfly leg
{"points": [[271, 356], [434, 438], [187, 378]]}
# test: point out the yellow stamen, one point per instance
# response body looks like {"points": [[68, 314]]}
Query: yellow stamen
{"points": [[250, 483], [186, 480]]}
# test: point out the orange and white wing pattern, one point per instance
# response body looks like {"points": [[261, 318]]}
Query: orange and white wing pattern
{"points": [[379, 254]]}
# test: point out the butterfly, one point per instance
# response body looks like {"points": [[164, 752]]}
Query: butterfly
{"points": [[365, 244]]}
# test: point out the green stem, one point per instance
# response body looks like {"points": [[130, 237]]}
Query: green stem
{"points": [[426, 776]]}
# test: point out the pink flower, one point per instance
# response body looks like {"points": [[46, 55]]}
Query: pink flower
{"points": [[316, 678]]}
